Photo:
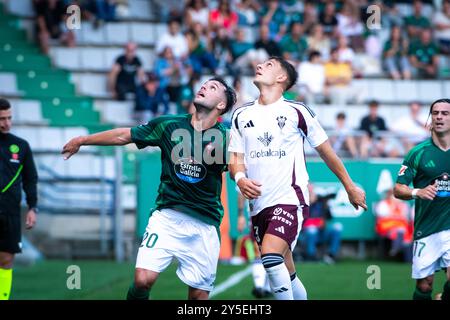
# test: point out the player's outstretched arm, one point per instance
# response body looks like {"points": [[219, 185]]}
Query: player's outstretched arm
{"points": [[356, 195], [114, 137], [404, 192]]}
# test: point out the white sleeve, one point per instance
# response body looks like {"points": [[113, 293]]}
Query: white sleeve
{"points": [[236, 139], [314, 131]]}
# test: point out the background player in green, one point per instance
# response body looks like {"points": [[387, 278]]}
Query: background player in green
{"points": [[427, 167], [17, 172], [185, 222]]}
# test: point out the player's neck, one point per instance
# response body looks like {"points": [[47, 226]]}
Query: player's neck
{"points": [[442, 141], [269, 95], [203, 120]]}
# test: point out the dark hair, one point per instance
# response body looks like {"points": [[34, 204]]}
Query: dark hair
{"points": [[444, 100], [313, 54], [340, 115], [374, 103], [290, 70], [230, 94], [4, 104]]}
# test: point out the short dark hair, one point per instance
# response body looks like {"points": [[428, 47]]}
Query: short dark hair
{"points": [[290, 70], [230, 94], [4, 104], [313, 54], [340, 115], [374, 103]]}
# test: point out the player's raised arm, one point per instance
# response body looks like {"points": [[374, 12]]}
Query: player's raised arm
{"points": [[114, 137], [356, 195]]}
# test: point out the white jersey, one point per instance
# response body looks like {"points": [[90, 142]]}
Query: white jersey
{"points": [[272, 137]]}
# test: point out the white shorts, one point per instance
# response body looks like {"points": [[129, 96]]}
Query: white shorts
{"points": [[195, 244], [431, 254]]}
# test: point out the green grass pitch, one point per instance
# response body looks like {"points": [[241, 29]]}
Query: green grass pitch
{"points": [[110, 280]]}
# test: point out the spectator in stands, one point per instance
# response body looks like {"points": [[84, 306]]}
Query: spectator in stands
{"points": [[311, 78], [150, 96], [276, 18], [372, 143], [199, 55], [328, 19], [247, 11], [423, 55], [346, 53], [174, 73], [342, 140], [416, 23], [126, 74], [50, 18], [350, 25], [412, 128], [393, 222], [223, 19], [264, 42], [173, 39], [197, 12], [309, 17], [319, 41], [244, 54], [441, 23], [294, 45], [338, 81], [105, 10], [318, 228], [395, 55]]}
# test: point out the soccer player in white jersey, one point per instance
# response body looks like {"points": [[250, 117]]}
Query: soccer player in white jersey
{"points": [[267, 161]]}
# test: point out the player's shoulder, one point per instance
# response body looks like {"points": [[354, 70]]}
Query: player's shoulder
{"points": [[245, 107], [298, 105], [17, 140], [418, 149], [171, 118]]}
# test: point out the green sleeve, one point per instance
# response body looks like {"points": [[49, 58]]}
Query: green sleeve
{"points": [[409, 168], [149, 134]]}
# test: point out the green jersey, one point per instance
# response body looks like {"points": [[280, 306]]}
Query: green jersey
{"points": [[423, 165], [192, 165]]}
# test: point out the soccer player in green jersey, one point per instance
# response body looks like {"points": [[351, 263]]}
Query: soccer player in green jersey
{"points": [[427, 167], [185, 223]]}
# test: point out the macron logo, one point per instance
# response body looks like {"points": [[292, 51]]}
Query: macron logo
{"points": [[280, 229], [249, 124]]}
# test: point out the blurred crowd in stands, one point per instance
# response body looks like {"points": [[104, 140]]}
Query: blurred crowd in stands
{"points": [[330, 43]]}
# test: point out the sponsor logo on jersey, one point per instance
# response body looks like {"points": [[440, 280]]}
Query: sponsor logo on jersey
{"points": [[266, 139], [443, 186], [402, 170], [254, 154], [14, 149], [190, 171], [281, 121]]}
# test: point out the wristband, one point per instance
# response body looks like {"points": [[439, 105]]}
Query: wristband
{"points": [[414, 193], [238, 176]]}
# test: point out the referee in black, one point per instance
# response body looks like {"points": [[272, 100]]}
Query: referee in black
{"points": [[17, 171]]}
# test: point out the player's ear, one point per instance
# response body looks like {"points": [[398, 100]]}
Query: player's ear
{"points": [[282, 78], [221, 106]]}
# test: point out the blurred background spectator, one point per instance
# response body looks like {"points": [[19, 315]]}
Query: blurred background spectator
{"points": [[342, 139]]}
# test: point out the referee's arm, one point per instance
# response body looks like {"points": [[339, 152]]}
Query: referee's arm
{"points": [[30, 179]]}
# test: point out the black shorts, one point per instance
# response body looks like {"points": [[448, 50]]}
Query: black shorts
{"points": [[10, 234]]}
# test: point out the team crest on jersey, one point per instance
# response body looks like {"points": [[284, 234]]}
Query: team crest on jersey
{"points": [[266, 139], [402, 170], [281, 121]]}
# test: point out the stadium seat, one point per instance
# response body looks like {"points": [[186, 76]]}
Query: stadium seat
{"points": [[90, 35], [116, 112], [8, 84], [140, 9], [91, 84], [430, 90], [446, 89], [66, 58], [51, 138], [28, 112], [29, 134], [117, 33], [406, 91], [23, 8], [93, 59], [143, 33], [382, 90]]}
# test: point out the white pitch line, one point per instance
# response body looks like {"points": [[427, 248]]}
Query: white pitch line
{"points": [[231, 281]]}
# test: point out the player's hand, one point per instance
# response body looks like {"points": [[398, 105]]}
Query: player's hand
{"points": [[428, 193], [250, 189], [71, 147], [242, 223], [357, 197], [30, 219]]}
